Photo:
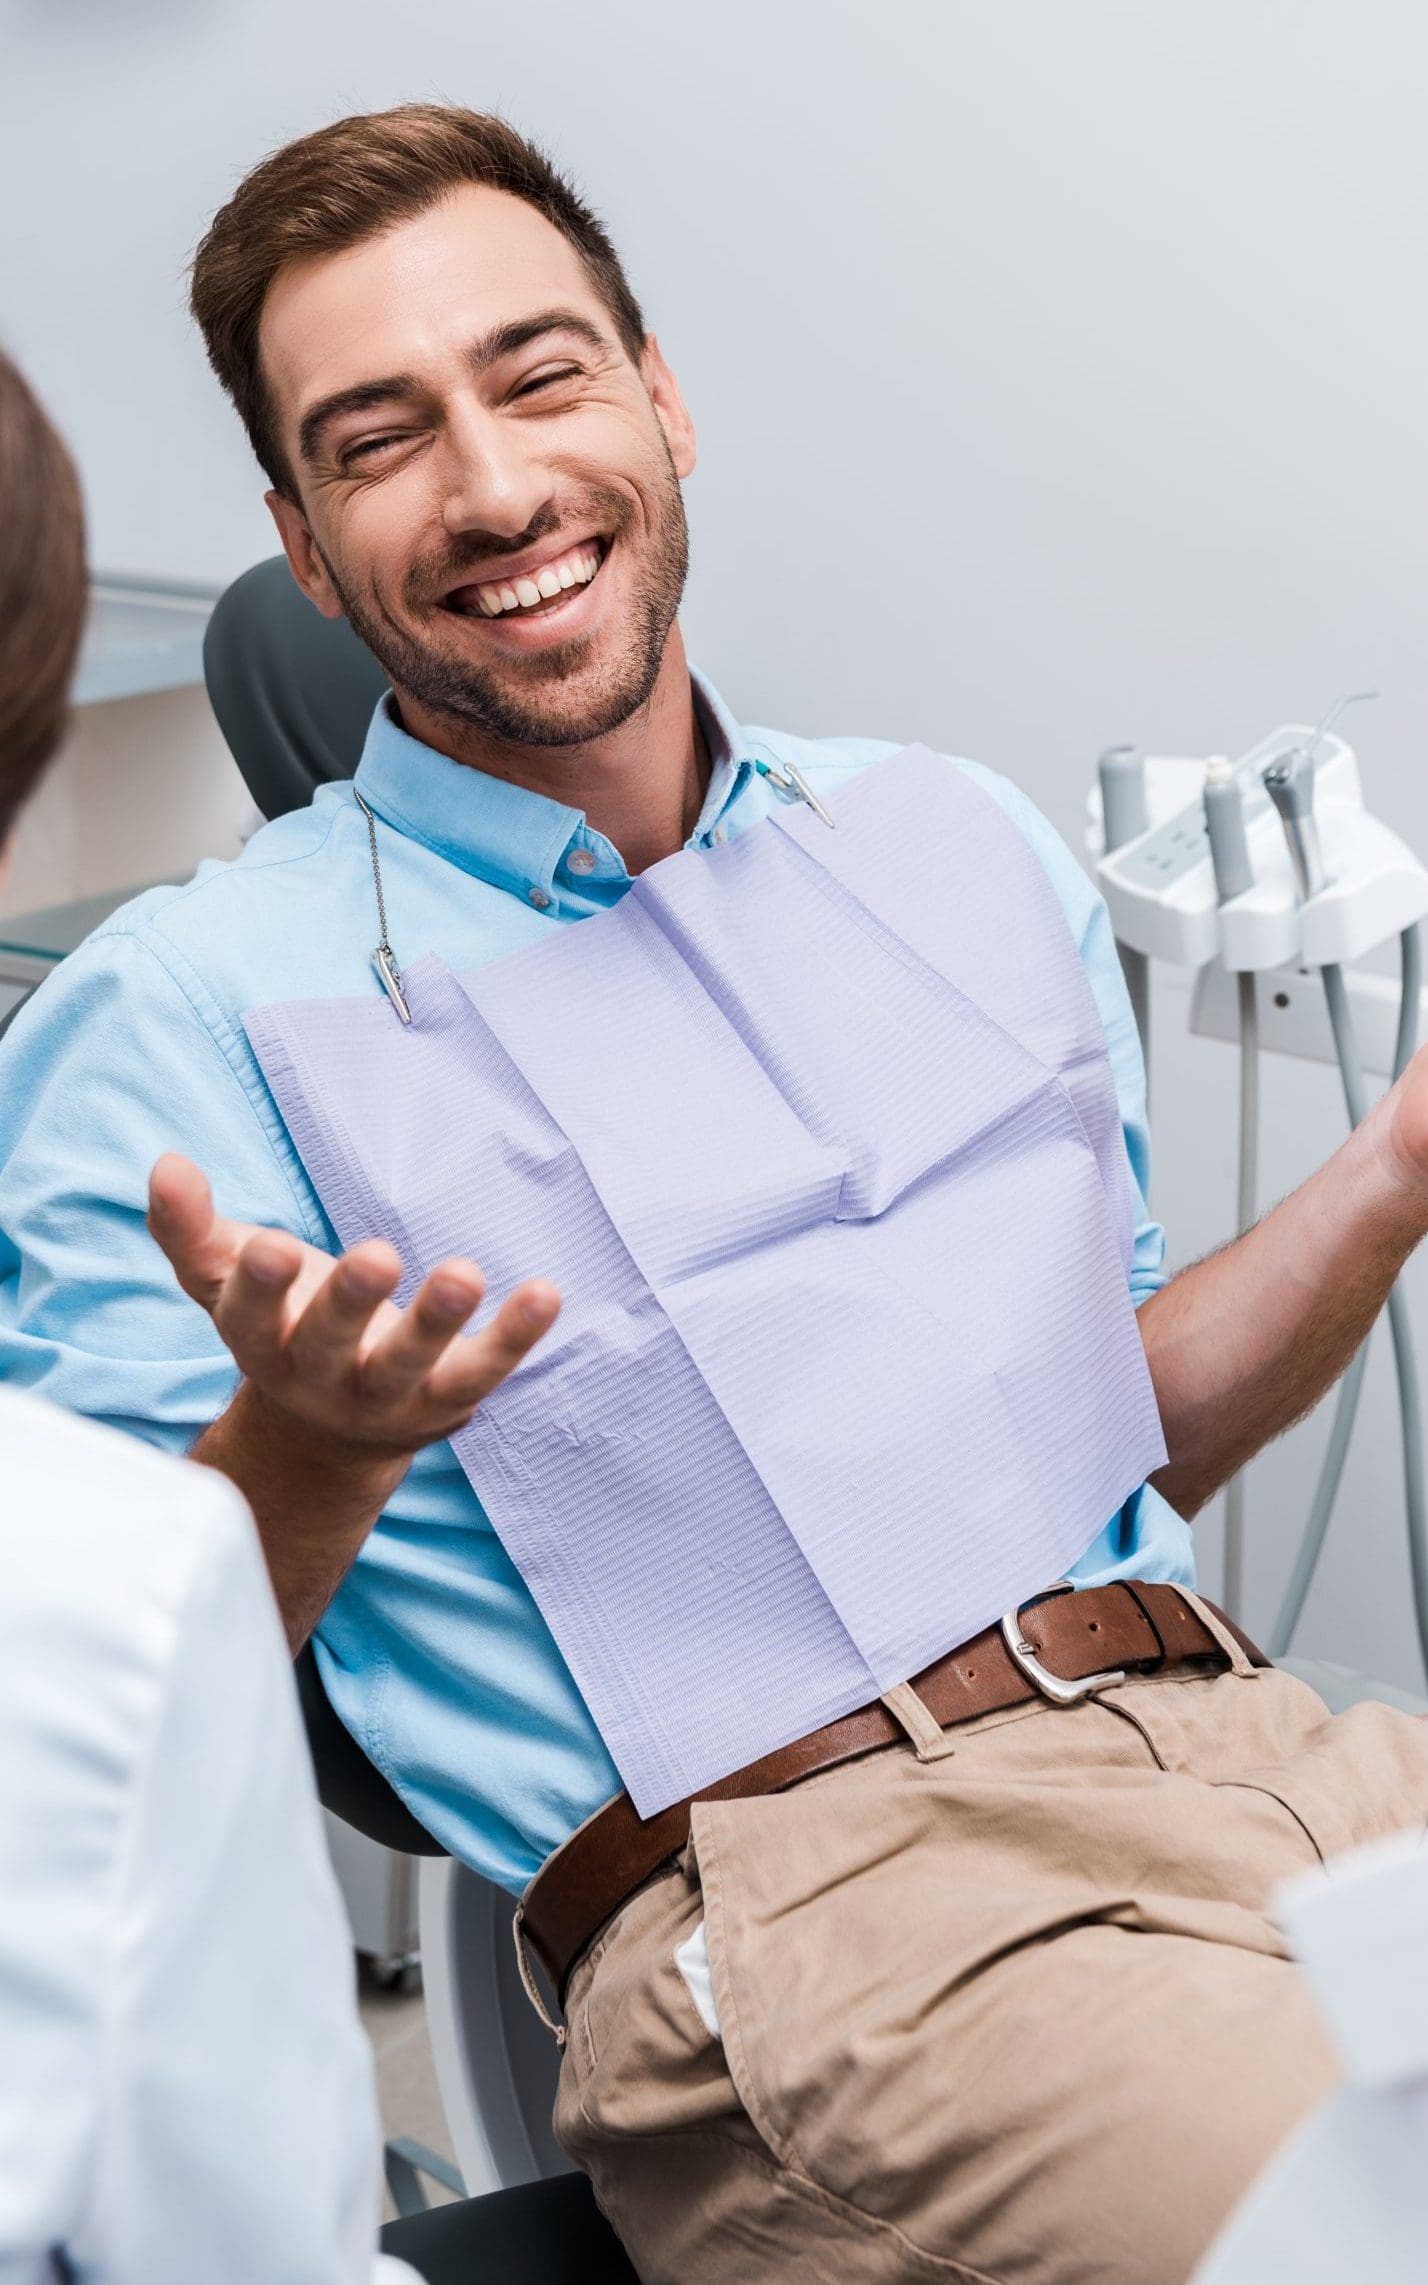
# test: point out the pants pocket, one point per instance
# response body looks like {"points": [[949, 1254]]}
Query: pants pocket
{"points": [[638, 2056], [816, 1933], [735, 1975]]}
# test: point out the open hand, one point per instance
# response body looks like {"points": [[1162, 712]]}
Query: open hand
{"points": [[322, 1339]]}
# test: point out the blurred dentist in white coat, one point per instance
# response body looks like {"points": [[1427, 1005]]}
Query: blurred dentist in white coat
{"points": [[185, 2092]]}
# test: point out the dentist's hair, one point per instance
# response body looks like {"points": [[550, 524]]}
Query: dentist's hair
{"points": [[44, 590], [350, 181]]}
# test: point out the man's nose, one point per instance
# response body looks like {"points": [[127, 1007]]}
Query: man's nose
{"points": [[493, 482]]}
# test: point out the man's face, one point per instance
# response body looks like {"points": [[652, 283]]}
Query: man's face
{"points": [[488, 486]]}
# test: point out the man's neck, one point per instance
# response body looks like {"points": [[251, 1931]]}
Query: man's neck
{"points": [[642, 786]]}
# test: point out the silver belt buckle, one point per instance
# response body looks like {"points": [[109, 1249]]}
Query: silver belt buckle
{"points": [[1051, 1686]]}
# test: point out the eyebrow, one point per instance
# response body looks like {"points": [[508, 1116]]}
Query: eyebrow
{"points": [[396, 389], [401, 388]]}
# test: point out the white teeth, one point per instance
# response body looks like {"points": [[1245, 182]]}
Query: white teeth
{"points": [[573, 570]]}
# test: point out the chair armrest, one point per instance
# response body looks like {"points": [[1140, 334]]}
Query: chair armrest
{"points": [[348, 1784]]}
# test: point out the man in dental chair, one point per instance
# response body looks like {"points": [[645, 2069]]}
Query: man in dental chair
{"points": [[974, 1978]]}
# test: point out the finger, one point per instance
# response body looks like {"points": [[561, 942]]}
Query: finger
{"points": [[401, 1359], [199, 1244], [327, 1340], [253, 1312], [471, 1370]]}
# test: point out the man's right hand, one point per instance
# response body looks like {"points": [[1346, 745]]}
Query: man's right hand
{"points": [[340, 1386], [322, 1337]]}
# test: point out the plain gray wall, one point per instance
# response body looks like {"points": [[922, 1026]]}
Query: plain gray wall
{"points": [[1060, 366]]}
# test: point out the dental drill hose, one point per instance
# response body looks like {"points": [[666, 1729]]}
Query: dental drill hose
{"points": [[1234, 1583], [1410, 1409], [1229, 856], [1326, 1491], [1405, 1364], [1289, 782], [1410, 945]]}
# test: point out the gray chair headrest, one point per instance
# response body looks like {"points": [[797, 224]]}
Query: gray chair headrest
{"points": [[293, 692]]}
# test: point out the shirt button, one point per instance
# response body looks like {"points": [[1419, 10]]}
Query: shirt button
{"points": [[540, 900], [720, 834], [581, 861]]}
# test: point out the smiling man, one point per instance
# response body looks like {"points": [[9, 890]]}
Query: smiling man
{"points": [[798, 2046], [540, 615]]}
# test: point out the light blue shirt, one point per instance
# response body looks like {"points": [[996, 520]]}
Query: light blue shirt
{"points": [[432, 1652]]}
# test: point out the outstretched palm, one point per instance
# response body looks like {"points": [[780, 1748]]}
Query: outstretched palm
{"points": [[322, 1338]]}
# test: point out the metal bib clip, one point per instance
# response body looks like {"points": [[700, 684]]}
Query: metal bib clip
{"points": [[790, 779]]}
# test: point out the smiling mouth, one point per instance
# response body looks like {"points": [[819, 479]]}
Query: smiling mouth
{"points": [[532, 593]]}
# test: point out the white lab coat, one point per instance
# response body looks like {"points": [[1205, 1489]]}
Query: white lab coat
{"points": [[185, 2090]]}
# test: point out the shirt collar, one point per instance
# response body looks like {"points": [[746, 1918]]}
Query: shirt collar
{"points": [[503, 833]]}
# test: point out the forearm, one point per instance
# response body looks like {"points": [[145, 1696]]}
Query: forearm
{"points": [[1246, 1342], [314, 1499]]}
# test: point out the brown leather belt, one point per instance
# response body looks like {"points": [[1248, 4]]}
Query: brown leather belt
{"points": [[1063, 1647]]}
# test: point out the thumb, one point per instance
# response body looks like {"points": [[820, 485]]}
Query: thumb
{"points": [[200, 1246]]}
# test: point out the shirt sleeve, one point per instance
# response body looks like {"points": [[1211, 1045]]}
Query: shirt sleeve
{"points": [[110, 1065], [1108, 985], [238, 2135]]}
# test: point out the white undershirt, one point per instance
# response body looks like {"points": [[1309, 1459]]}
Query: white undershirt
{"points": [[185, 2090]]}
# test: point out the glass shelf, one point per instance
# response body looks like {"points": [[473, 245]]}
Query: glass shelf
{"points": [[143, 635], [31, 943]]}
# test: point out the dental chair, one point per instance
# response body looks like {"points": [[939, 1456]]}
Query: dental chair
{"points": [[534, 2221], [293, 693]]}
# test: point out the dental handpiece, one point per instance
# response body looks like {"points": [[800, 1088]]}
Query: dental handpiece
{"points": [[1225, 826], [1289, 782]]}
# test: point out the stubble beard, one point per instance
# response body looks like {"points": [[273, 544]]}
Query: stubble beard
{"points": [[553, 703]]}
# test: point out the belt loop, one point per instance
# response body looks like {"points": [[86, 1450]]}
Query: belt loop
{"points": [[1143, 1605], [1239, 1663], [930, 1742], [518, 1930]]}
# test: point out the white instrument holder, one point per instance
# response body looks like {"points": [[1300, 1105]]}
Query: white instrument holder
{"points": [[1160, 887]]}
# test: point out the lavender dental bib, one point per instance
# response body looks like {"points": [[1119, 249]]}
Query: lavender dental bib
{"points": [[826, 1161]]}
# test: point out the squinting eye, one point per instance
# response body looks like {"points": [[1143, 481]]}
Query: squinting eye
{"points": [[367, 446], [544, 380]]}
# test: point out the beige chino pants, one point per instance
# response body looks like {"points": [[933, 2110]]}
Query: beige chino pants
{"points": [[1014, 2015]]}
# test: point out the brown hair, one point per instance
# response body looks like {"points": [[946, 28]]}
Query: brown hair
{"points": [[351, 181], [44, 590]]}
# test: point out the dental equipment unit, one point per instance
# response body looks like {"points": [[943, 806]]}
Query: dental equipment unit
{"points": [[1272, 867]]}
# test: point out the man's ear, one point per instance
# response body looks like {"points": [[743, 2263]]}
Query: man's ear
{"points": [[300, 548], [669, 405]]}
